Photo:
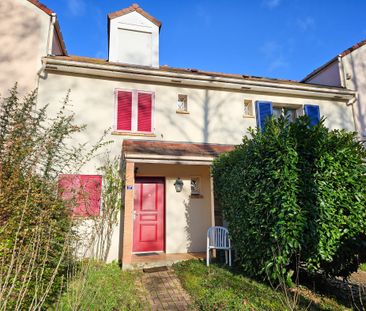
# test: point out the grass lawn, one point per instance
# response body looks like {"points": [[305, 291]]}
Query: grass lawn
{"points": [[216, 288], [104, 287], [363, 267]]}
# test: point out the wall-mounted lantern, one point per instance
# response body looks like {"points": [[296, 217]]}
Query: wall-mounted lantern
{"points": [[178, 185]]}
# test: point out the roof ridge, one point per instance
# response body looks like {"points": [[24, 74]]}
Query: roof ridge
{"points": [[42, 7], [132, 8]]}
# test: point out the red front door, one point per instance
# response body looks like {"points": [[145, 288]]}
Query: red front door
{"points": [[148, 232]]}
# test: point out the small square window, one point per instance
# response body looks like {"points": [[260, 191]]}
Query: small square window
{"points": [[195, 185], [248, 108], [182, 103]]}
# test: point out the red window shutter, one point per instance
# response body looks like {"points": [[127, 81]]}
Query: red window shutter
{"points": [[83, 191], [144, 112], [124, 111], [89, 196]]}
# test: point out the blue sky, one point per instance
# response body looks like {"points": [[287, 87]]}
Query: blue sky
{"points": [[271, 38]]}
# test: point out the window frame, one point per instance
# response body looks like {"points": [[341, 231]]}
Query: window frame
{"points": [[199, 179], [298, 108], [134, 111], [185, 110]]}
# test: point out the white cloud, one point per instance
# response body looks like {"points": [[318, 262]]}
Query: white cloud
{"points": [[278, 63], [76, 7], [306, 23], [204, 15], [271, 3], [274, 55]]}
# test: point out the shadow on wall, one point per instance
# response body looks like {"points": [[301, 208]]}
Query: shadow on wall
{"points": [[212, 121], [197, 224], [20, 38]]}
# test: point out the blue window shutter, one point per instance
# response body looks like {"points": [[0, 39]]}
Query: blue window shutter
{"points": [[263, 110], [313, 112]]}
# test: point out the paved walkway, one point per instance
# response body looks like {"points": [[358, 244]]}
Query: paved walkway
{"points": [[165, 291]]}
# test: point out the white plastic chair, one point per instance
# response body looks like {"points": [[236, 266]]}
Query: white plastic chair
{"points": [[218, 238]]}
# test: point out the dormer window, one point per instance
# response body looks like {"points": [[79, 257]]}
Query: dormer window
{"points": [[134, 37]]}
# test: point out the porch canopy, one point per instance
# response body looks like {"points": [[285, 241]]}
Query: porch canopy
{"points": [[164, 152], [177, 224]]}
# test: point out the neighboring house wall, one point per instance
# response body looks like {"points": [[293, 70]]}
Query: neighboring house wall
{"points": [[354, 69], [347, 70], [25, 28], [329, 76]]}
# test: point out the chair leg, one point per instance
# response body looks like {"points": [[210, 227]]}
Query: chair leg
{"points": [[208, 257], [226, 257], [229, 257]]}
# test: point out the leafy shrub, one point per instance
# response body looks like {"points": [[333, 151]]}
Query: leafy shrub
{"points": [[294, 195], [35, 227]]}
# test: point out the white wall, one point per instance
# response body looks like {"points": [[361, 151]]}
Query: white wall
{"points": [[328, 76], [24, 32], [354, 65], [134, 40]]}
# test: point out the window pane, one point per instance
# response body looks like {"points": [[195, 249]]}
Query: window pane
{"points": [[277, 112]]}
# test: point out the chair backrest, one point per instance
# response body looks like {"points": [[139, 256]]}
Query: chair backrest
{"points": [[218, 237]]}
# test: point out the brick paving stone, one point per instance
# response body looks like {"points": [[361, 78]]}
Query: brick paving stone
{"points": [[164, 291]]}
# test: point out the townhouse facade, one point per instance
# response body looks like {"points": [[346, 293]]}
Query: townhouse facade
{"points": [[167, 125]]}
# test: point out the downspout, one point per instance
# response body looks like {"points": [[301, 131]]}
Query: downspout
{"points": [[353, 100], [341, 72], [51, 31]]}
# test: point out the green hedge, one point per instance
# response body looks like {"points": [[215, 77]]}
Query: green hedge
{"points": [[294, 195]]}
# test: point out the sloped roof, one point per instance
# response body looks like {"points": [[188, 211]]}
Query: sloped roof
{"points": [[169, 69], [168, 148], [335, 58], [41, 6], [132, 8], [352, 48]]}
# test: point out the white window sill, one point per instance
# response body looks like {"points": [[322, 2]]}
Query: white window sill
{"points": [[122, 133]]}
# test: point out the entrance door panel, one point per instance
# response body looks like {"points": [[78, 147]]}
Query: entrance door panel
{"points": [[148, 215]]}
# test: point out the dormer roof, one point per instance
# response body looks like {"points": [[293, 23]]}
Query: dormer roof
{"points": [[134, 7]]}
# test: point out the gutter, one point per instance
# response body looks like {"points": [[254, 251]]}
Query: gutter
{"points": [[176, 78], [168, 159]]}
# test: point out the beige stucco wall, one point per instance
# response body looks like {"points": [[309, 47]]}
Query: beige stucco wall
{"points": [[24, 32], [354, 67], [215, 116]]}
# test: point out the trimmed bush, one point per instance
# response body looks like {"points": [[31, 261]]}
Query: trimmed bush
{"points": [[294, 195]]}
